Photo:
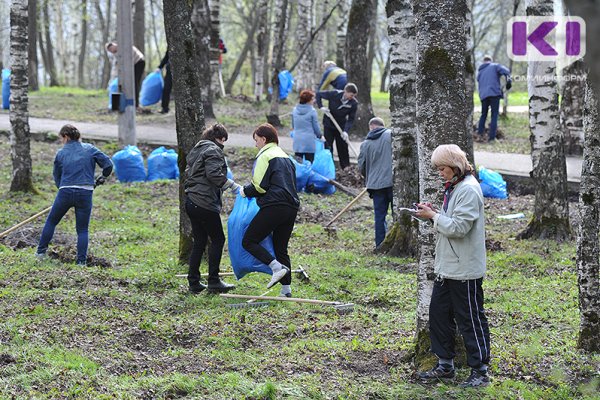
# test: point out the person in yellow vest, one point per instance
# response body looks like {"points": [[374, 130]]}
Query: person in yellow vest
{"points": [[334, 76]]}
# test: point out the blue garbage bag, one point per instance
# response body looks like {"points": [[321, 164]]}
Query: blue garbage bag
{"points": [[323, 169], [152, 87], [229, 172], [319, 145], [286, 82], [244, 210], [162, 164], [129, 165], [302, 173], [492, 184], [113, 87], [6, 88]]}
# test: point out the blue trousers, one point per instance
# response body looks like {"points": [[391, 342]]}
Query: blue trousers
{"points": [[382, 199], [66, 198], [494, 104]]}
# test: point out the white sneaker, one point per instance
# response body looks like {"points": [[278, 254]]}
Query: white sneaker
{"points": [[41, 256], [277, 276]]}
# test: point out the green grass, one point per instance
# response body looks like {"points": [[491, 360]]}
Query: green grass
{"points": [[131, 330]]}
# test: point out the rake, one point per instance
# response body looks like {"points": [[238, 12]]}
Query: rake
{"points": [[252, 302], [338, 306], [301, 274]]}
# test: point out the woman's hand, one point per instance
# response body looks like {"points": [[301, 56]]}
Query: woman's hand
{"points": [[425, 210]]}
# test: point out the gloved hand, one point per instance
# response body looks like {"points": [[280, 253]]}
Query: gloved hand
{"points": [[236, 188], [241, 192], [100, 180], [508, 85], [345, 136], [325, 109]]}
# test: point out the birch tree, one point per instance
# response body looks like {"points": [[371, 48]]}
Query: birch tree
{"points": [[304, 77], [402, 237], [551, 209], [201, 30], [441, 112], [32, 46], [320, 47], [19, 114], [189, 113], [261, 47], [340, 36], [215, 53], [588, 248], [357, 62], [278, 62], [572, 93]]}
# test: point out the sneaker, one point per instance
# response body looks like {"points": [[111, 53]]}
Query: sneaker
{"points": [[41, 256], [476, 379], [219, 286], [439, 372], [277, 276], [197, 288], [288, 295]]}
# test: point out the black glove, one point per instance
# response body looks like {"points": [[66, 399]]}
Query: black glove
{"points": [[100, 180], [508, 85]]}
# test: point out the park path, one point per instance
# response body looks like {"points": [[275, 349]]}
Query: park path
{"points": [[505, 163]]}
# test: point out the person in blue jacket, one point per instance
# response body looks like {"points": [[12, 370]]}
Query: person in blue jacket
{"points": [[490, 93], [74, 167], [306, 126], [334, 76]]}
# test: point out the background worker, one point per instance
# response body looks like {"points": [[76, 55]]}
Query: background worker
{"points": [[168, 83], [138, 67], [490, 93], [375, 164], [342, 106], [306, 126], [334, 76]]}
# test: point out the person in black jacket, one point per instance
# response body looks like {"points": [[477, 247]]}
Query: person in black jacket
{"points": [[168, 83], [205, 180], [342, 106], [274, 186]]}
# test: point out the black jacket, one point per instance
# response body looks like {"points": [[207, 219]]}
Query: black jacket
{"points": [[205, 175], [344, 114]]}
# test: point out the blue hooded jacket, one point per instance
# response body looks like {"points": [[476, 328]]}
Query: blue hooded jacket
{"points": [[488, 79], [306, 128]]}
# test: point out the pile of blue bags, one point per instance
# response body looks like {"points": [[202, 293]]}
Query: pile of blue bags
{"points": [[129, 165], [492, 184], [314, 177], [6, 89]]}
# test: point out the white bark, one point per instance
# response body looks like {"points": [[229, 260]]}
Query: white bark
{"points": [[215, 34], [280, 28], [320, 48], [261, 46], [304, 76], [588, 248]]}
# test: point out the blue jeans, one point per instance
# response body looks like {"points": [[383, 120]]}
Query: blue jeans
{"points": [[493, 103], [66, 198], [382, 199]]}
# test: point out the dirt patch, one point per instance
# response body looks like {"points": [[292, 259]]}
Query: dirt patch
{"points": [[6, 359], [350, 177]]}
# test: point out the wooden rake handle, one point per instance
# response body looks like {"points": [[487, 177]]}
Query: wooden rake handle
{"points": [[354, 200], [340, 131], [20, 224], [291, 299]]}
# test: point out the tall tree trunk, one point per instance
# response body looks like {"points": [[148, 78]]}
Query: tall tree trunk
{"points": [[357, 61], [278, 62], [244, 53], [19, 113], [510, 64], [551, 209], [320, 47], [383, 87], [215, 53], [83, 44], [50, 67], [340, 36], [571, 107], [261, 49], [105, 28], [304, 75], [588, 249], [189, 114], [201, 30], [441, 114], [401, 240], [139, 25], [32, 55]]}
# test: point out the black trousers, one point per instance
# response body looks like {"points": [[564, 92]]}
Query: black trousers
{"points": [[138, 70], [280, 220], [166, 94], [460, 301], [332, 134], [307, 156], [205, 224]]}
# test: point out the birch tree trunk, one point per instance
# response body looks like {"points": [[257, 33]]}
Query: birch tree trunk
{"points": [[441, 114], [571, 107], [139, 25], [201, 30], [278, 62], [320, 47], [357, 62], [549, 174], [304, 76], [401, 239], [588, 248], [189, 114], [261, 47], [32, 46], [215, 34], [83, 44], [50, 67], [105, 28], [340, 36], [19, 115]]}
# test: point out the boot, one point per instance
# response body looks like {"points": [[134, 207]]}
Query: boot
{"points": [[218, 286], [197, 287]]}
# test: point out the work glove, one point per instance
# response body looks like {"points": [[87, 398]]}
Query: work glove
{"points": [[241, 192], [100, 180], [345, 136], [236, 188], [325, 109], [508, 85]]}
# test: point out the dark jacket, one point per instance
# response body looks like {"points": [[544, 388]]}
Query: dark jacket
{"points": [[75, 164], [343, 113], [273, 178], [205, 175]]}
